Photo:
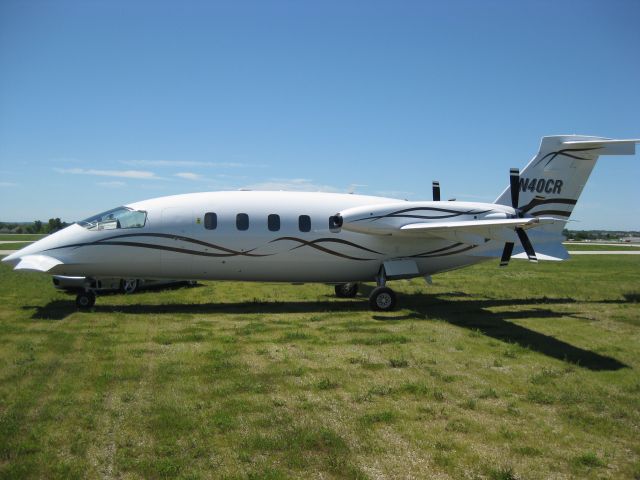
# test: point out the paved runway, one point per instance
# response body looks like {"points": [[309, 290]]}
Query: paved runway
{"points": [[607, 244], [604, 252]]}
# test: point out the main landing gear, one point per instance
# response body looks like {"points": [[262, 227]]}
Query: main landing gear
{"points": [[129, 285], [381, 299]]}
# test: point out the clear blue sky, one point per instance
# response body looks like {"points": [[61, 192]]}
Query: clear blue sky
{"points": [[107, 102]]}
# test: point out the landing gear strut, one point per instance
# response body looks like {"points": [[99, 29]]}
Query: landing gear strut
{"points": [[85, 300], [346, 290], [382, 298]]}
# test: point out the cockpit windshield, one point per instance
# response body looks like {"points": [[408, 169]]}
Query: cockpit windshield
{"points": [[121, 217]]}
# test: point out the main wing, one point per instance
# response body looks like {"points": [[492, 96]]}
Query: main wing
{"points": [[472, 223], [474, 231], [460, 222]]}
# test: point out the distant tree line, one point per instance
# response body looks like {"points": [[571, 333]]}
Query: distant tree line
{"points": [[37, 226], [597, 234]]}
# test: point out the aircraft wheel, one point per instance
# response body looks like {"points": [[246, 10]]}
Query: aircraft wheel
{"points": [[128, 285], [382, 299], [85, 300], [346, 290]]}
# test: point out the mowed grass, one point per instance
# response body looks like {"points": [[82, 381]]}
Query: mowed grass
{"points": [[19, 237], [525, 372], [13, 246]]}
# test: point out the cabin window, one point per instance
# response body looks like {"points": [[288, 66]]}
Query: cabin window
{"points": [[242, 221], [121, 217], [210, 221], [304, 223], [273, 222]]}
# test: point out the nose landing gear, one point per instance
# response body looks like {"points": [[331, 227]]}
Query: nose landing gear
{"points": [[85, 300]]}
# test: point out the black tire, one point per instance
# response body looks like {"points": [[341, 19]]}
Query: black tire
{"points": [[85, 300], [128, 285], [382, 299], [346, 290]]}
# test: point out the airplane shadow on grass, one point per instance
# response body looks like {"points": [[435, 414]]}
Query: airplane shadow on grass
{"points": [[474, 314], [459, 309]]}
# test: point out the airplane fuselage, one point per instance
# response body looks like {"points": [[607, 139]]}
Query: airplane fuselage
{"points": [[259, 236]]}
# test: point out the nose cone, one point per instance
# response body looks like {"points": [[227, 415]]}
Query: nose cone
{"points": [[49, 245]]}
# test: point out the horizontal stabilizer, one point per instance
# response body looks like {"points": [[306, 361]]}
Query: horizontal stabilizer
{"points": [[545, 250], [606, 147], [554, 252], [37, 263]]}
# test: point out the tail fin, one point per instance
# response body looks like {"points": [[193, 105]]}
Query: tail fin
{"points": [[553, 180]]}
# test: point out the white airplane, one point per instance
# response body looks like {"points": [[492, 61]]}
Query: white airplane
{"points": [[339, 239]]}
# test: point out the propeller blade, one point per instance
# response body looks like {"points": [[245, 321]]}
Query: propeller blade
{"points": [[506, 254], [526, 244], [514, 178], [436, 191]]}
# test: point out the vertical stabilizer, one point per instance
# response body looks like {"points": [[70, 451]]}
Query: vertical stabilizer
{"points": [[553, 180]]}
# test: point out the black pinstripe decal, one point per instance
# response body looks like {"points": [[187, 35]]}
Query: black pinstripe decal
{"points": [[314, 244], [402, 214], [543, 201], [446, 254], [431, 252], [553, 155], [113, 241], [110, 241], [560, 213]]}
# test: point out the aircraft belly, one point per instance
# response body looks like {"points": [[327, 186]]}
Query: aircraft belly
{"points": [[290, 269], [433, 266]]}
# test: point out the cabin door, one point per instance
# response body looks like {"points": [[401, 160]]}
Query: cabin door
{"points": [[179, 224]]}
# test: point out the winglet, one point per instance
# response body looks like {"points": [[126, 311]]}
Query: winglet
{"points": [[37, 263]]}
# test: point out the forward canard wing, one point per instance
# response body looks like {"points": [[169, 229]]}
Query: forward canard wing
{"points": [[37, 263]]}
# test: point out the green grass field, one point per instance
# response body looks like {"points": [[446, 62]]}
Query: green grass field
{"points": [[525, 372], [13, 246]]}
